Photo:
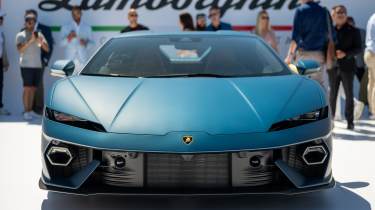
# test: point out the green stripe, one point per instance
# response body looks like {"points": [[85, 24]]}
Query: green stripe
{"points": [[95, 28], [55, 28]]}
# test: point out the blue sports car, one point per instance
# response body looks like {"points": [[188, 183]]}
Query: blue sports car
{"points": [[186, 114]]}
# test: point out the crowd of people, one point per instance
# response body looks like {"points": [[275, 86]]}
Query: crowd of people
{"points": [[327, 36]]}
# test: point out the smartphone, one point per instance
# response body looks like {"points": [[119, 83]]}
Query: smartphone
{"points": [[36, 34]]}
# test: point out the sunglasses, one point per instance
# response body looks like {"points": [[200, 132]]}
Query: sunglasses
{"points": [[29, 20], [265, 18], [133, 15]]}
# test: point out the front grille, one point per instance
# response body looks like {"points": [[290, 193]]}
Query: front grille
{"points": [[295, 158], [81, 158], [190, 171]]}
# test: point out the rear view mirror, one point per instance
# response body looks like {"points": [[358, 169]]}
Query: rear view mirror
{"points": [[307, 67], [62, 68]]}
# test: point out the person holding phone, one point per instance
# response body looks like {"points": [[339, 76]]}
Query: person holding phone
{"points": [[30, 44], [38, 104], [77, 38]]}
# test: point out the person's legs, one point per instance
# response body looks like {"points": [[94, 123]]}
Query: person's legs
{"points": [[334, 84], [27, 97], [31, 98], [370, 62], [28, 91], [347, 79], [363, 89], [360, 71], [371, 89]]}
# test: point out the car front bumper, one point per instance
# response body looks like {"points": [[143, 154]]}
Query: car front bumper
{"points": [[282, 169]]}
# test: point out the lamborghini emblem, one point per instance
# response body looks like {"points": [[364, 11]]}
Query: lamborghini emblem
{"points": [[187, 139]]}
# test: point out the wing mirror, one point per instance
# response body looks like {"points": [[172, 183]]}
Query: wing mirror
{"points": [[62, 68], [306, 67]]}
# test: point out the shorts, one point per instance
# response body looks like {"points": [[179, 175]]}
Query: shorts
{"points": [[31, 76]]}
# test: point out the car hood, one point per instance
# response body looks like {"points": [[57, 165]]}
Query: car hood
{"points": [[158, 106]]}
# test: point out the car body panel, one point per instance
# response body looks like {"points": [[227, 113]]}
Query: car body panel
{"points": [[212, 105], [202, 141]]}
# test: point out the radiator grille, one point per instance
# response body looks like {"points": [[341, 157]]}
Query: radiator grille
{"points": [[198, 171]]}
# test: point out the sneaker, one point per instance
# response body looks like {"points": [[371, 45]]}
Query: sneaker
{"points": [[4, 111], [27, 116], [34, 114], [358, 110]]}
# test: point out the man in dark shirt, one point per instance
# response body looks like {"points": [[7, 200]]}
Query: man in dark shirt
{"points": [[311, 31], [216, 23], [133, 22], [348, 45]]}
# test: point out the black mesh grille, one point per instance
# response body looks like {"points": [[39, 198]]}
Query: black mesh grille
{"points": [[80, 159], [296, 161], [197, 171]]}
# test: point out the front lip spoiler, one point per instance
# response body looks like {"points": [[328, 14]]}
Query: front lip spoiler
{"points": [[214, 192]]}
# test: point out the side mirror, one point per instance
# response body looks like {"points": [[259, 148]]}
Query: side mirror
{"points": [[62, 68], [307, 67]]}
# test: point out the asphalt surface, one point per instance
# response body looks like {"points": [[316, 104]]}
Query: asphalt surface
{"points": [[353, 165]]}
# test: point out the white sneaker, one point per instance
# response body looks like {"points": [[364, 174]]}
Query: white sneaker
{"points": [[27, 116], [34, 114], [358, 110], [4, 111]]}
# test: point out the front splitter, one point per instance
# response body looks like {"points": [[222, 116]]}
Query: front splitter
{"points": [[88, 190]]}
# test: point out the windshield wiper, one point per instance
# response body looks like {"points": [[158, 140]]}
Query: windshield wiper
{"points": [[107, 75], [191, 75]]}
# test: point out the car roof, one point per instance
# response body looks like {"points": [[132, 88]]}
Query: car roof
{"points": [[184, 33]]}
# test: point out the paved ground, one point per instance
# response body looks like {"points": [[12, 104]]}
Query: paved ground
{"points": [[354, 169]]}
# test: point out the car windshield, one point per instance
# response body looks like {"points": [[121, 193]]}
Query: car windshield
{"points": [[185, 55]]}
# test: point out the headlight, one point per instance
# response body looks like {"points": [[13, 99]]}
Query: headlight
{"points": [[62, 117], [301, 120], [72, 120]]}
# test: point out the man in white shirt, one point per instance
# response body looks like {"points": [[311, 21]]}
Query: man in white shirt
{"points": [[77, 38], [370, 62], [30, 44]]}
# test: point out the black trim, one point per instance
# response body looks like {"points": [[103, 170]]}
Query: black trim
{"points": [[97, 189], [80, 124], [292, 123], [230, 171]]}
